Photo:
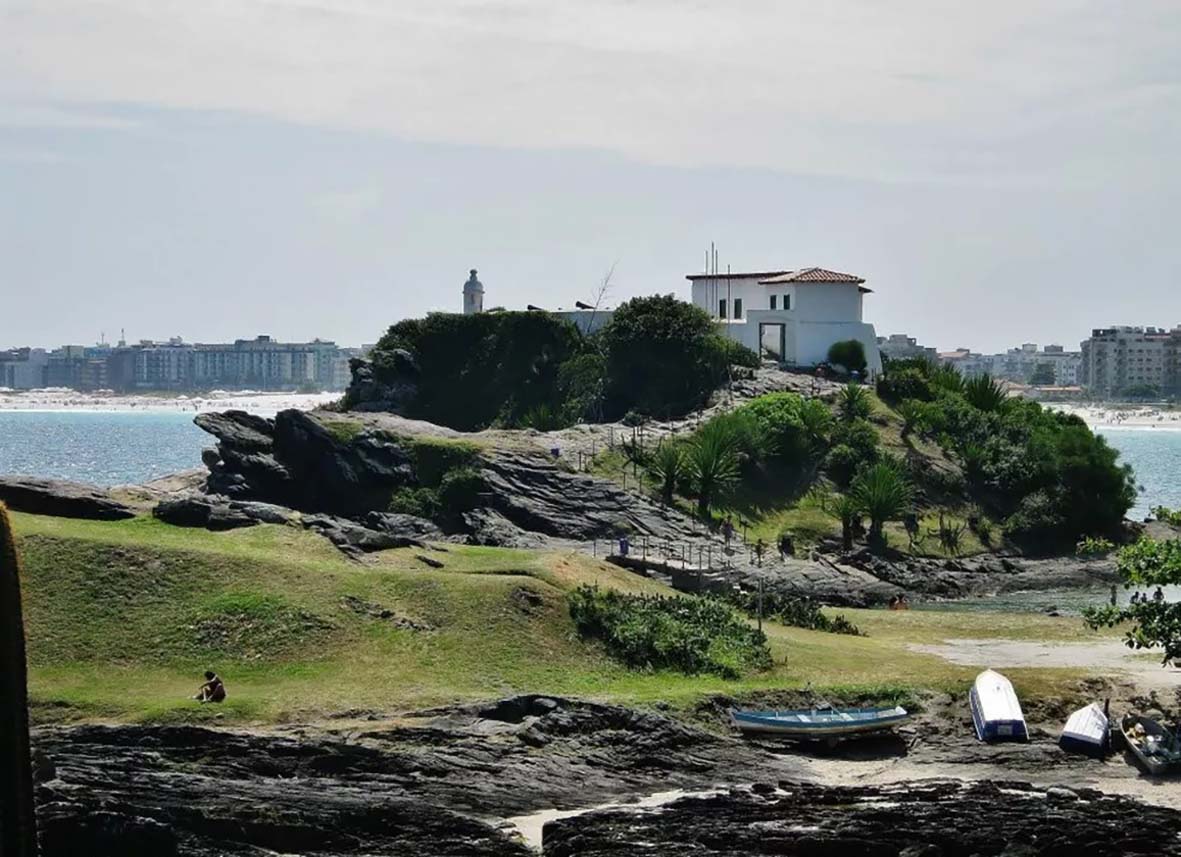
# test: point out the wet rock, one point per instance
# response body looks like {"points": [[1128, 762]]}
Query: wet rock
{"points": [[927, 818], [61, 499]]}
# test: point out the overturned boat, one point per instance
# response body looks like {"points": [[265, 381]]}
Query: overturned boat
{"points": [[829, 725], [1087, 731], [996, 712]]}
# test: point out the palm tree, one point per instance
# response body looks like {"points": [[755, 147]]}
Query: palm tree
{"points": [[713, 463], [914, 416], [985, 393], [883, 493], [853, 402], [669, 466], [18, 830], [847, 509], [948, 378]]}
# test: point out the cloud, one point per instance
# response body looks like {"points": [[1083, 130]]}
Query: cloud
{"points": [[914, 90]]}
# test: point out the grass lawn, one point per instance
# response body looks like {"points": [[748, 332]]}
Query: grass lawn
{"points": [[124, 617]]}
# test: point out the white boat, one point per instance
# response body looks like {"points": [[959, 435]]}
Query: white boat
{"points": [[1155, 749], [996, 711], [825, 724], [1086, 731]]}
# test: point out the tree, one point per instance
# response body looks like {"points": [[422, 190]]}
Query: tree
{"points": [[884, 494], [664, 356], [1155, 621], [18, 831], [853, 402], [849, 353], [847, 508], [669, 466], [713, 463]]}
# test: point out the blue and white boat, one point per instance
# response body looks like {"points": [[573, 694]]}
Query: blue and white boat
{"points": [[1086, 732], [820, 724], [996, 712]]}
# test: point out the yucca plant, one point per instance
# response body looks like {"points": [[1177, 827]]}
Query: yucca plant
{"points": [[985, 393], [947, 378], [884, 494], [853, 402], [669, 466], [816, 421], [18, 830], [914, 416], [713, 463], [847, 509]]}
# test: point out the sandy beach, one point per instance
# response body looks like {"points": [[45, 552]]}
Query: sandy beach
{"points": [[1145, 417], [254, 401]]}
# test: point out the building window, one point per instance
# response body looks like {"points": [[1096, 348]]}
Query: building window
{"points": [[773, 299], [787, 301], [722, 308], [738, 307]]}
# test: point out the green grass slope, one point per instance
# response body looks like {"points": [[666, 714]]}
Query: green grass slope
{"points": [[122, 619]]}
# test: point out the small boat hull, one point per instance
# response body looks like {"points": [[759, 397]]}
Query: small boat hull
{"points": [[1139, 741], [996, 712], [820, 725], [1087, 731]]}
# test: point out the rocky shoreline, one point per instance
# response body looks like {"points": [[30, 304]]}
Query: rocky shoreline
{"points": [[445, 781]]}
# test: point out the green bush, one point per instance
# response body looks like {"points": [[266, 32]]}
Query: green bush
{"points": [[434, 458], [1167, 516], [664, 356], [985, 394], [1090, 546], [853, 402], [842, 463], [460, 490], [1038, 520], [849, 353], [900, 384], [423, 502], [690, 635], [792, 610]]}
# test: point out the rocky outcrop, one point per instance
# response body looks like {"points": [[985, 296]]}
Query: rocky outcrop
{"points": [[432, 786], [924, 819], [61, 499]]}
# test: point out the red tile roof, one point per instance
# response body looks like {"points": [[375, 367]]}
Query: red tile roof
{"points": [[812, 275]]}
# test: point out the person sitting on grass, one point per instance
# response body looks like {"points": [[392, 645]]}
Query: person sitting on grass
{"points": [[213, 690]]}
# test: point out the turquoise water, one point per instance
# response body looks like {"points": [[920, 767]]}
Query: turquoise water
{"points": [[1155, 456], [105, 448]]}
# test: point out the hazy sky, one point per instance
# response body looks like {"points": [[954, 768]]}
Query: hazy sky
{"points": [[999, 172]]}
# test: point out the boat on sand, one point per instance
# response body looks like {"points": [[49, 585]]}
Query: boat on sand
{"points": [[1086, 732], [1155, 748], [827, 724], [996, 711]]}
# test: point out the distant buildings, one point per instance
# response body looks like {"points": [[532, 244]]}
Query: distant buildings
{"points": [[1138, 360], [899, 346], [1052, 366], [258, 364]]}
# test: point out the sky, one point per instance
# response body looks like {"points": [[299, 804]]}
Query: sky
{"points": [[999, 172]]}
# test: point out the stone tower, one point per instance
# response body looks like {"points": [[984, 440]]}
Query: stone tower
{"points": [[473, 295]]}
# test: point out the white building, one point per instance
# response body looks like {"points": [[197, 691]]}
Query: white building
{"points": [[1117, 359], [790, 316]]}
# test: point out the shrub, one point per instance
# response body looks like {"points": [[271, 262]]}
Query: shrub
{"points": [[777, 419], [1167, 516], [690, 635], [898, 385], [1038, 519], [985, 394], [435, 457], [669, 466], [853, 402], [1091, 546], [842, 464], [792, 610], [849, 353], [713, 462], [422, 502], [915, 415], [460, 490], [946, 378], [884, 494], [816, 422], [664, 356]]}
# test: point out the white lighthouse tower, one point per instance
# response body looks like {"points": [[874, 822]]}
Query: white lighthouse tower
{"points": [[473, 295]]}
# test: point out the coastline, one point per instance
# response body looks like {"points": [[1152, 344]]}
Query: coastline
{"points": [[1128, 417], [61, 400]]}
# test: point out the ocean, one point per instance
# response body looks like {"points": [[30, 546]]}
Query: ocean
{"points": [[117, 447]]}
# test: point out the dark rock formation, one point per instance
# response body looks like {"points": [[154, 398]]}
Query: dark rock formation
{"points": [[421, 788], [355, 539], [61, 499], [928, 818]]}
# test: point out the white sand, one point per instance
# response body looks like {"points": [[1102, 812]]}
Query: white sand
{"points": [[1144, 417], [257, 402]]}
